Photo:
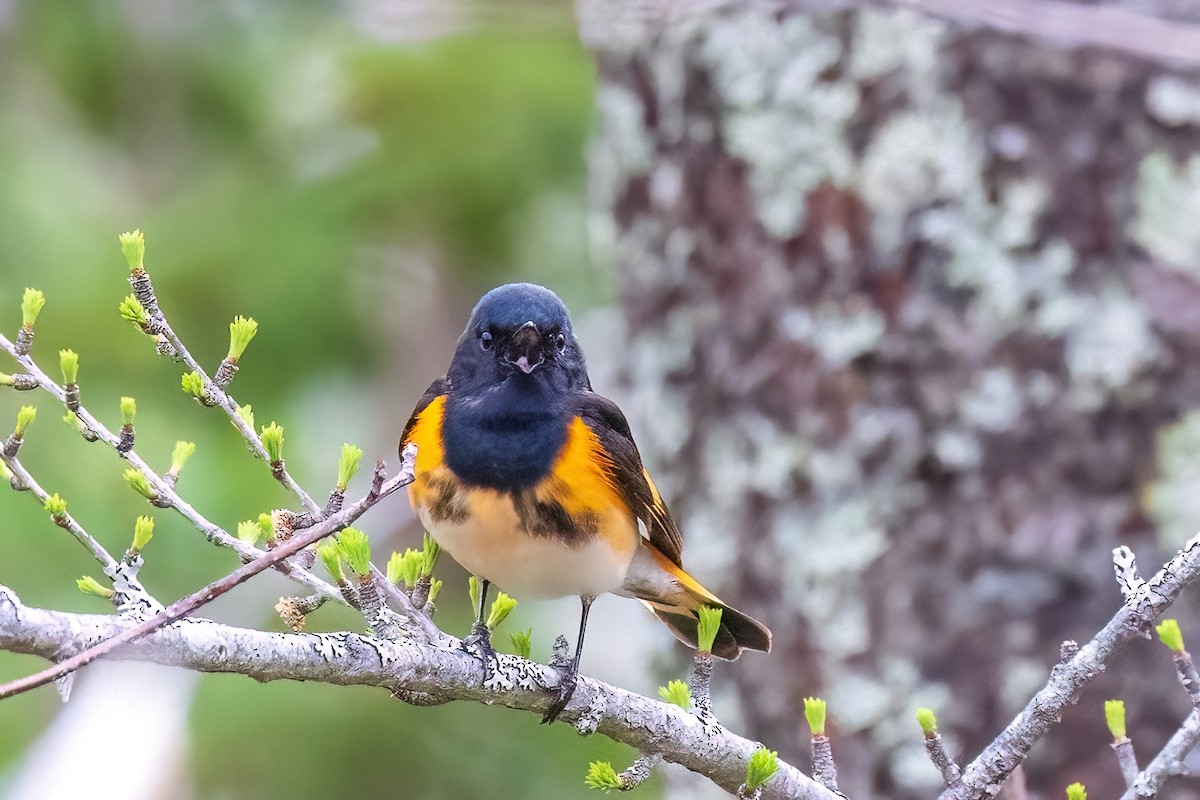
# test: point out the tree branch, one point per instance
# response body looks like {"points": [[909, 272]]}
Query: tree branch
{"points": [[191, 602], [983, 776], [405, 667]]}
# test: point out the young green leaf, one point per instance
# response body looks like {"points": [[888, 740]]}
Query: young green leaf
{"points": [[25, 417], [246, 413], [927, 720], [133, 245], [521, 641], [272, 439], [435, 588], [180, 455], [356, 549], [602, 777], [266, 524], [502, 606], [193, 384], [143, 530], [89, 585], [814, 712], [709, 624], [1170, 635], [763, 764], [56, 506], [139, 483], [128, 410], [348, 465], [241, 331], [1076, 791], [134, 311], [68, 362], [249, 532], [430, 551], [473, 589], [31, 305], [676, 692], [1114, 715], [331, 556]]}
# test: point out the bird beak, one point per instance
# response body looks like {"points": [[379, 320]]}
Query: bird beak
{"points": [[525, 351]]}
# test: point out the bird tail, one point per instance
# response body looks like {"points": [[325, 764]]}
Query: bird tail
{"points": [[675, 597]]}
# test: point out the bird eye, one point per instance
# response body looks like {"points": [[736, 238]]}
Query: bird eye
{"points": [[560, 342], [485, 340]]}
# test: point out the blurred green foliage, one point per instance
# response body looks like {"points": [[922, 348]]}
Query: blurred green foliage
{"points": [[351, 194]]}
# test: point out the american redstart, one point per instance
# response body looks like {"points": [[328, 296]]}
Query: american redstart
{"points": [[531, 480]]}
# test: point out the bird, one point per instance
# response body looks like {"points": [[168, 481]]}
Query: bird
{"points": [[532, 481]]}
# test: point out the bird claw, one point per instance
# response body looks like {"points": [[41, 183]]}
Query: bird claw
{"points": [[567, 680], [479, 644]]}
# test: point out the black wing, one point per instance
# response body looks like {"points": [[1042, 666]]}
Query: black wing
{"points": [[608, 423], [435, 390]]}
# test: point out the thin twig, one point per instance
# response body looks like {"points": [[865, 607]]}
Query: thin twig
{"points": [[1126, 760], [1169, 760], [86, 539], [1067, 679], [186, 605], [164, 490], [935, 746]]}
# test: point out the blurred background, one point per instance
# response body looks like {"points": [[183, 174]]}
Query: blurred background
{"points": [[901, 305]]}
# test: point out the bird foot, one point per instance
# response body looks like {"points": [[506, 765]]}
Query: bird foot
{"points": [[479, 644], [568, 677]]}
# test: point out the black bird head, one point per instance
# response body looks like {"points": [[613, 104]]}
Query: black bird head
{"points": [[518, 332]]}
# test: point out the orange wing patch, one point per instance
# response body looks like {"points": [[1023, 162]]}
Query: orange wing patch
{"points": [[580, 478], [426, 434]]}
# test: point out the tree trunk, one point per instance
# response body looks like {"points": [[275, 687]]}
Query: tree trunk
{"points": [[912, 308]]}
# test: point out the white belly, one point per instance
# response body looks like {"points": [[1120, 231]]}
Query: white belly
{"points": [[491, 544]]}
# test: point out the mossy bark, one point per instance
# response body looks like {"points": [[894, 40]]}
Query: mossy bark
{"points": [[911, 343]]}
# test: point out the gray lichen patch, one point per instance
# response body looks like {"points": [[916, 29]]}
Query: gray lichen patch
{"points": [[1173, 499], [1168, 205]]}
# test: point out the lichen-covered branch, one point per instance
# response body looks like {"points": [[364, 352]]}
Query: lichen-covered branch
{"points": [[406, 667], [1169, 760], [983, 777]]}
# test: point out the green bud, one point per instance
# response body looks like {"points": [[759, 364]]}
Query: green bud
{"points": [[266, 524], [241, 331], [249, 532], [522, 642], [193, 384], [356, 549], [602, 777], [1076, 791], [435, 588], [134, 311], [814, 712], [272, 439], [143, 531], [331, 556], [676, 692], [761, 767], [927, 720], [25, 418], [429, 554], [6, 379], [133, 245], [246, 413], [56, 506], [473, 589], [709, 624], [5, 472], [68, 362], [348, 465], [139, 483], [502, 606], [1114, 715], [89, 585], [128, 410], [1171, 636], [31, 305], [180, 455]]}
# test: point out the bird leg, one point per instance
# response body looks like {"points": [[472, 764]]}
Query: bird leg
{"points": [[479, 643], [569, 673]]}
